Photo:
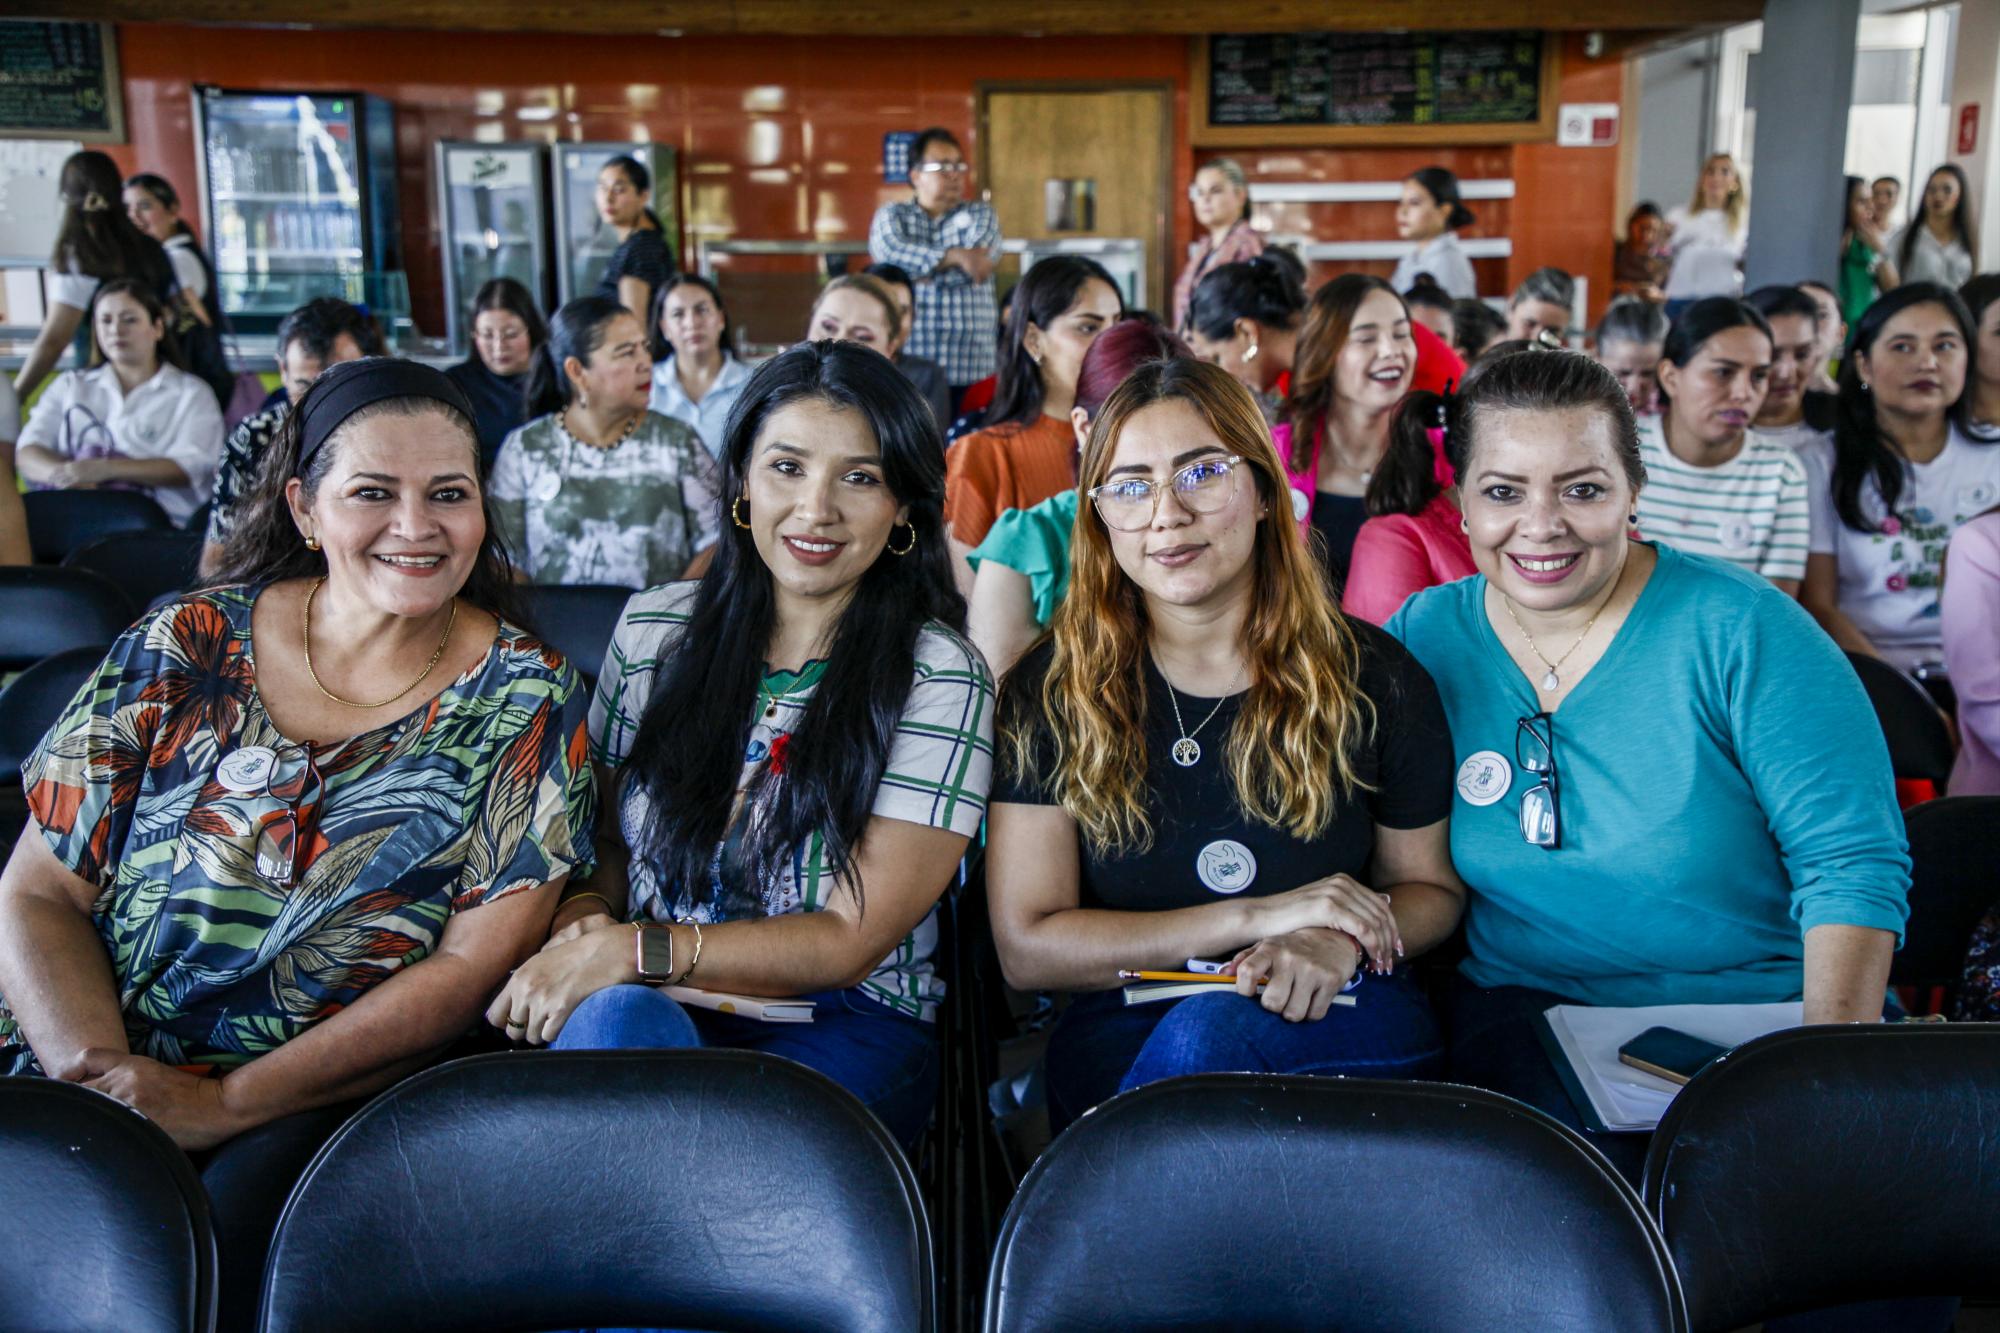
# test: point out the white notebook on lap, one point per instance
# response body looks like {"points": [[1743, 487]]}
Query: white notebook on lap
{"points": [[1614, 1095]]}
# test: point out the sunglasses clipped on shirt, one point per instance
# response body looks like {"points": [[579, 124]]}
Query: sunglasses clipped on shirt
{"points": [[1535, 751]]}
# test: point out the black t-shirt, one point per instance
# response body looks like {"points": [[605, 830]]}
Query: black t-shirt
{"points": [[643, 255], [1204, 846], [1338, 519], [499, 403]]}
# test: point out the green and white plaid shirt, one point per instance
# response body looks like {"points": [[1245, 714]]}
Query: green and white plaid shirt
{"points": [[938, 772]]}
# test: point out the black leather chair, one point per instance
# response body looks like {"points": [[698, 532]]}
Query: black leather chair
{"points": [[102, 1218], [33, 700], [1954, 882], [1919, 740], [577, 619], [146, 565], [1230, 1201], [680, 1189], [63, 521], [44, 611], [1832, 1165]]}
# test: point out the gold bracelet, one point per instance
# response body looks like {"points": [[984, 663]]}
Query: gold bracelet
{"points": [[693, 962], [588, 893]]}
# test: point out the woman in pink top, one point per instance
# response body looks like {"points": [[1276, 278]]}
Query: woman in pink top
{"points": [[1414, 537], [1970, 610]]}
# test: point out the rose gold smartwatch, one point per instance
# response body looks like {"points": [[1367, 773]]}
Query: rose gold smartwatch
{"points": [[654, 952]]}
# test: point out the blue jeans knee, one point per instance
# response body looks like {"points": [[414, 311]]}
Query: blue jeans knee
{"points": [[625, 1018]]}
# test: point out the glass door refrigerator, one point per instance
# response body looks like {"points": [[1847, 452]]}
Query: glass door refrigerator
{"points": [[584, 240], [299, 201], [493, 218]]}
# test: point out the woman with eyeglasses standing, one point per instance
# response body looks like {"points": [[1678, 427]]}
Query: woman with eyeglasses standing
{"points": [[1205, 759], [1671, 787], [295, 831], [1221, 198]]}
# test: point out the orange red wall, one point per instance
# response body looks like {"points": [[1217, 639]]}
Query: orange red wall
{"points": [[780, 138]]}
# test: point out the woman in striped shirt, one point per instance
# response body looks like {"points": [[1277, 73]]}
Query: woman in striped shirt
{"points": [[1717, 487]]}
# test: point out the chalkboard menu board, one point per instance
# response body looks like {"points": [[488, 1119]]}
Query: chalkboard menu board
{"points": [[1325, 87], [59, 81]]}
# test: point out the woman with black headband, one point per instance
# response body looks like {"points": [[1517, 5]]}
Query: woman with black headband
{"points": [[296, 828]]}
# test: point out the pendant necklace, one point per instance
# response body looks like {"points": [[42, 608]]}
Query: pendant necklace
{"points": [[1187, 750], [1551, 681]]}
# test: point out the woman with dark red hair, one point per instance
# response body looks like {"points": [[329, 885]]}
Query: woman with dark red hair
{"points": [[1021, 569]]}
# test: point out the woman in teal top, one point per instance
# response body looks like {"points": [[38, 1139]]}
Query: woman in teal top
{"points": [[1671, 787]]}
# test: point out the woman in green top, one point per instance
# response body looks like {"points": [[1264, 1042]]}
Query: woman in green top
{"points": [[1021, 569], [1866, 270]]}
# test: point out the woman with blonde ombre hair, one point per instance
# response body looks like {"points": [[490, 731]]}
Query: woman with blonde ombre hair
{"points": [[1205, 760], [1706, 238]]}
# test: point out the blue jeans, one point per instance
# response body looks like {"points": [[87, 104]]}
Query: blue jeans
{"points": [[1102, 1046], [886, 1059]]}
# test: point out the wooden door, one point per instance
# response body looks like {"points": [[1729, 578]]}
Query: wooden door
{"points": [[1116, 139]]}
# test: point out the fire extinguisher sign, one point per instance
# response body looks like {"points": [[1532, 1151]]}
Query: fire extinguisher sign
{"points": [[1968, 128]]}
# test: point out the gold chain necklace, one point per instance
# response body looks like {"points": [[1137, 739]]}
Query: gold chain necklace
{"points": [[1552, 681], [349, 703]]}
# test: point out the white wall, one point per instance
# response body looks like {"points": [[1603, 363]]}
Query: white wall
{"points": [[1676, 97]]}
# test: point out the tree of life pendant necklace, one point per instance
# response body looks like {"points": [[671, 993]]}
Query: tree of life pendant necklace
{"points": [[1187, 750], [1551, 681]]}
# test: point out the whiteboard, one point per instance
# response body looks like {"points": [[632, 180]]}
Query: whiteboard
{"points": [[30, 206]]}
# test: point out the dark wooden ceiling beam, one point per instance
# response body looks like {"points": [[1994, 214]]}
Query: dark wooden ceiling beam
{"points": [[900, 18]]}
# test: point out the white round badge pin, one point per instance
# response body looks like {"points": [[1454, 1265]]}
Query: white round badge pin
{"points": [[1225, 866], [246, 770], [1484, 777]]}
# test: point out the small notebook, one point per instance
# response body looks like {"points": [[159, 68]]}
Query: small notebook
{"points": [[1583, 1041], [1146, 992], [763, 1008]]}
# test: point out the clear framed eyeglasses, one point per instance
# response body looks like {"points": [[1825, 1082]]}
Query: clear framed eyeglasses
{"points": [[1129, 504]]}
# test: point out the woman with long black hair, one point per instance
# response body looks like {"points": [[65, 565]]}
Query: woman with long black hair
{"points": [[1900, 476], [155, 209], [797, 749], [644, 258], [1025, 452], [1940, 244]]}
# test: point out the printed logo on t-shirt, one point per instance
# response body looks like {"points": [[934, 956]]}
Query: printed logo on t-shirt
{"points": [[246, 770], [1484, 777], [1979, 496], [1225, 866], [1737, 535]]}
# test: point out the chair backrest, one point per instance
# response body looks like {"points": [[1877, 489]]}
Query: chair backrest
{"points": [[1919, 740], [1830, 1165], [62, 521], [681, 1189], [44, 611], [1261, 1201], [146, 565], [33, 700], [1954, 882], [577, 619], [103, 1220]]}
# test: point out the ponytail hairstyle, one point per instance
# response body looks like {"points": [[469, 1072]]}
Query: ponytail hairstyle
{"points": [[1232, 171], [1521, 376], [871, 287], [1291, 751], [1264, 290], [1440, 184], [156, 310], [642, 180], [1117, 352], [1425, 292], [688, 753], [1630, 320], [265, 545], [96, 237], [1042, 296], [1549, 285], [1861, 448], [1961, 219], [577, 330], [162, 190], [1700, 322]]}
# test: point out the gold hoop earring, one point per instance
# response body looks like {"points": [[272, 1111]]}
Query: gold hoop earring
{"points": [[736, 513], [908, 546]]}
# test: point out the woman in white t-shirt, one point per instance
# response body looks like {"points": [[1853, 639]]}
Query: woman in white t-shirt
{"points": [[1430, 213], [1940, 244], [1707, 236], [1899, 477], [134, 420], [96, 244]]}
